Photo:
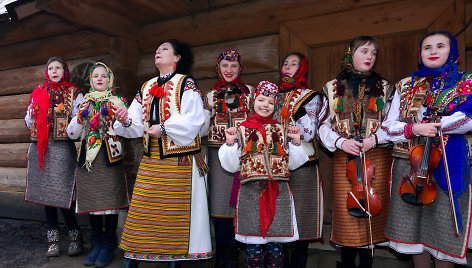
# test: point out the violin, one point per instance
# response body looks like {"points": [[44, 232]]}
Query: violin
{"points": [[362, 201], [418, 188]]}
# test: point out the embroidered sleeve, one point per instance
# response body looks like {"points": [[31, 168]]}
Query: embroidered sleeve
{"points": [[136, 129], [77, 101], [457, 123], [190, 85], [328, 137], [297, 156], [229, 158], [29, 116], [138, 98], [393, 127]]}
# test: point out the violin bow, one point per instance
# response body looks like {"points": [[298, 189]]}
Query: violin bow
{"points": [[369, 216], [449, 188]]}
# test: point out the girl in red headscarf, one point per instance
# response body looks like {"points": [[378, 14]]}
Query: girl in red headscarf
{"points": [[50, 179], [265, 152]]}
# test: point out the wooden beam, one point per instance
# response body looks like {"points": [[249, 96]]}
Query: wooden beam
{"points": [[259, 55], [71, 46], [14, 131], [384, 19], [36, 26], [12, 179], [94, 16], [13, 107], [249, 19], [14, 155]]}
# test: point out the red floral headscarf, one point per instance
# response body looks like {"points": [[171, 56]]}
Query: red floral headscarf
{"points": [[299, 79]]}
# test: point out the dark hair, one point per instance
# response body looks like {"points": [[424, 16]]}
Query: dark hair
{"points": [[51, 59], [443, 33], [184, 51], [298, 54], [362, 40]]}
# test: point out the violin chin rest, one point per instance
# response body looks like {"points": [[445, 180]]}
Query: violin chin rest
{"points": [[411, 199]]}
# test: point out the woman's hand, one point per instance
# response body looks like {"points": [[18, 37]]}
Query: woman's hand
{"points": [[121, 114], [154, 131], [426, 129], [293, 132], [368, 143], [231, 135], [351, 146]]}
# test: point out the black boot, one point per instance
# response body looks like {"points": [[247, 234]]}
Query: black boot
{"points": [[348, 257], [96, 241], [220, 255], [130, 263], [299, 255], [233, 257], [174, 264]]}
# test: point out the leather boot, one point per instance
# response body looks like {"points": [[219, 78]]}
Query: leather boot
{"points": [[107, 251], [96, 241], [174, 264], [53, 243]]}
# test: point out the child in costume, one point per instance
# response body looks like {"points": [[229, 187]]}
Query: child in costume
{"points": [[263, 156], [101, 182]]}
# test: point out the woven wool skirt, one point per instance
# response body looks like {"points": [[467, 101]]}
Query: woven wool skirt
{"points": [[103, 188], [168, 218], [307, 192], [53, 186], [430, 225], [220, 183], [351, 231]]}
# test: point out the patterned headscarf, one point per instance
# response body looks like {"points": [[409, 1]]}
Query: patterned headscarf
{"points": [[299, 79], [265, 88], [229, 55], [43, 100]]}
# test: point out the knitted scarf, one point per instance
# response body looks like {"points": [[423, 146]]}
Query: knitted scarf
{"points": [[43, 101]]}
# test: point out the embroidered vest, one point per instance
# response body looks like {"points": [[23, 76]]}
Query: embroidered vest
{"points": [[60, 119], [342, 122], [168, 106], [293, 101], [219, 122], [263, 164], [410, 104], [112, 142]]}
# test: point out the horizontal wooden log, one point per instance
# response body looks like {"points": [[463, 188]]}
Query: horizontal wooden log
{"points": [[252, 18], [36, 26], [259, 54], [26, 79], [14, 131], [14, 106], [12, 179], [384, 19], [70, 46], [14, 155]]}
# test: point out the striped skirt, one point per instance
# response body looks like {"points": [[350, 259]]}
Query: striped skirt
{"points": [[168, 218], [351, 231]]}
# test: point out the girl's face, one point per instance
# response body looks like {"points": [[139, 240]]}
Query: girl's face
{"points": [[290, 66], [229, 70], [364, 57], [100, 78], [435, 51], [263, 105], [55, 71], [165, 56]]}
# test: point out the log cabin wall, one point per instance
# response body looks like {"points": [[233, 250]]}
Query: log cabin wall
{"points": [[125, 36]]}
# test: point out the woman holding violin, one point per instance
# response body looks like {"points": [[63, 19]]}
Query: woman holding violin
{"points": [[424, 219], [356, 100]]}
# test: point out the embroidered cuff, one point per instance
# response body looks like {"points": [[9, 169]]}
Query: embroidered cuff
{"points": [[296, 144], [231, 144], [163, 129], [129, 123], [376, 140], [408, 130], [336, 143]]}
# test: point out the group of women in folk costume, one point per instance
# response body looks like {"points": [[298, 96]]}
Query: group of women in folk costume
{"points": [[358, 115]]}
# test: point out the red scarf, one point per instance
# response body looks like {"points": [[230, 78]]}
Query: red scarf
{"points": [[268, 190], [299, 79], [41, 102]]}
